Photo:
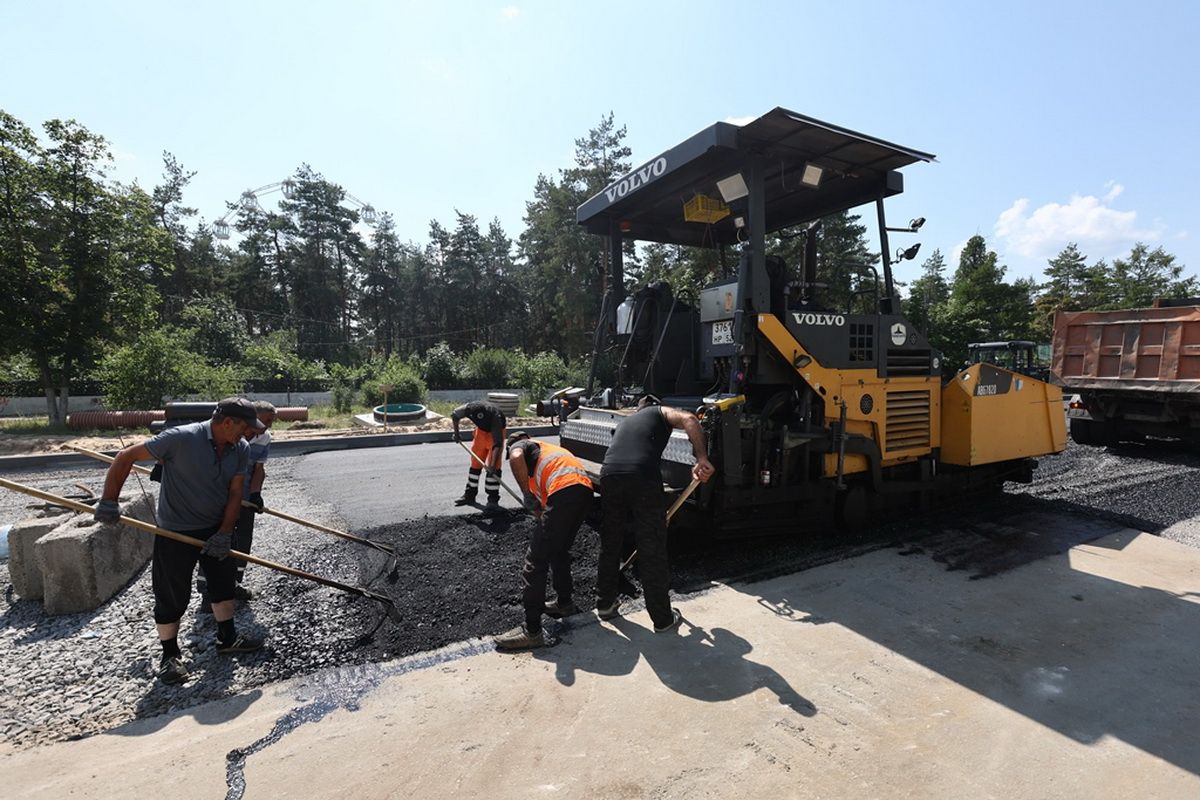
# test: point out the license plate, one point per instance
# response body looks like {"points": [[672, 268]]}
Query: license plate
{"points": [[723, 332]]}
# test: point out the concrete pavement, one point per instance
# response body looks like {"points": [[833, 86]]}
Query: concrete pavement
{"points": [[883, 676]]}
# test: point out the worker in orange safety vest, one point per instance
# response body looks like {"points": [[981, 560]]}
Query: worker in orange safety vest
{"points": [[559, 492]]}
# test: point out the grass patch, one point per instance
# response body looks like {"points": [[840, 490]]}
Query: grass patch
{"points": [[328, 415], [40, 426]]}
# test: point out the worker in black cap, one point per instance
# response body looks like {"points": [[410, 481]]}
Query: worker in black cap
{"points": [[558, 491], [204, 468], [487, 447]]}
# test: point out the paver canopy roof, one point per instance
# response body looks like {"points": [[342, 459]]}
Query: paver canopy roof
{"points": [[648, 202]]}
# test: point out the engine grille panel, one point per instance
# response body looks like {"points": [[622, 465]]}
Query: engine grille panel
{"points": [[908, 362], [908, 420]]}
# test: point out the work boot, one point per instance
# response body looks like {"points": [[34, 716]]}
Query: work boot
{"points": [[242, 644], [493, 506], [676, 618], [468, 498], [519, 638], [558, 610], [171, 670], [242, 594], [610, 611]]}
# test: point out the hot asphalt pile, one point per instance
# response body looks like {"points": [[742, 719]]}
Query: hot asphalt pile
{"points": [[458, 577]]}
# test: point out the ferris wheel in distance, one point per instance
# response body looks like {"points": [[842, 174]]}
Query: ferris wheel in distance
{"points": [[250, 201]]}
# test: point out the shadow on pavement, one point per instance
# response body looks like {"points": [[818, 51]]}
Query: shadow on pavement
{"points": [[709, 666]]}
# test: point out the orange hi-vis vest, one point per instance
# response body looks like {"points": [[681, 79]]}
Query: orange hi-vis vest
{"points": [[556, 469]]}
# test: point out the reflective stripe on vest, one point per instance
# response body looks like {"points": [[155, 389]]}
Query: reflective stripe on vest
{"points": [[556, 469]]}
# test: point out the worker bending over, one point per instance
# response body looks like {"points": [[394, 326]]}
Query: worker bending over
{"points": [[488, 445], [558, 491], [204, 468], [632, 487]]}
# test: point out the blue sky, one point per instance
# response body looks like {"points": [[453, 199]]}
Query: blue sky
{"points": [[1052, 122]]}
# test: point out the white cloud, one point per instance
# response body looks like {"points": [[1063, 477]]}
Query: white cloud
{"points": [[739, 120], [510, 12], [1090, 221]]}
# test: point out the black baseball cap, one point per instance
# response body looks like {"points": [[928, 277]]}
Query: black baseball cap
{"points": [[240, 408], [513, 438]]}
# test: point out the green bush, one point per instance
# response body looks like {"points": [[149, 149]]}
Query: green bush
{"points": [[406, 385], [274, 355], [211, 383], [156, 365], [491, 368], [541, 374], [441, 367], [342, 384]]}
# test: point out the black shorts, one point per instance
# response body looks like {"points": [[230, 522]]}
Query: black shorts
{"points": [[171, 575]]}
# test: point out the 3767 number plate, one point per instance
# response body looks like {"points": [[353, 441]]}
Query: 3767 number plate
{"points": [[723, 332]]}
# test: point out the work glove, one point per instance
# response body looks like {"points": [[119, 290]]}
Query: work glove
{"points": [[218, 545], [156, 473], [107, 511], [457, 436], [531, 503], [255, 499]]}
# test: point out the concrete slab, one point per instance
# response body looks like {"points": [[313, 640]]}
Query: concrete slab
{"points": [[883, 676], [23, 567], [83, 562]]}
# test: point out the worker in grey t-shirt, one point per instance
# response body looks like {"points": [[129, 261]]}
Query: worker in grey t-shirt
{"points": [[204, 468]]}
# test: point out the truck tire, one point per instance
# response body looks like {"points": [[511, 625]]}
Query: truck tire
{"points": [[851, 512], [1081, 431]]}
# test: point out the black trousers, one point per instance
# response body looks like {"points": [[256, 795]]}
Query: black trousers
{"points": [[550, 551], [171, 575], [637, 504], [243, 537]]}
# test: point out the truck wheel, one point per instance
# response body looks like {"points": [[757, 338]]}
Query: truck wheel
{"points": [[1105, 434], [851, 511], [1081, 431]]}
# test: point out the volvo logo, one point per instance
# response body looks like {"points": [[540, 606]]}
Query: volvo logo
{"points": [[818, 319], [636, 179]]}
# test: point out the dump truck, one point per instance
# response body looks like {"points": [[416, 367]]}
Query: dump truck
{"points": [[813, 413], [1136, 372]]}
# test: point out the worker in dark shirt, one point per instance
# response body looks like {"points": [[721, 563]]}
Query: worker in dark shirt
{"points": [[559, 492], [631, 486], [488, 447], [204, 468]]}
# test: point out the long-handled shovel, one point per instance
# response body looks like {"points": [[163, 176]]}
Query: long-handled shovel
{"points": [[388, 606], [670, 513], [383, 548]]}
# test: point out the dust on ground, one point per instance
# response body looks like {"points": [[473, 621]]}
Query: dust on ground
{"points": [[25, 444]]}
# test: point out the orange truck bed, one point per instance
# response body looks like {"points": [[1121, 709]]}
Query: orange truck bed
{"points": [[1141, 349]]}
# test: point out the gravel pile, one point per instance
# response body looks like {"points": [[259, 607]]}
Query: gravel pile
{"points": [[72, 676]]}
